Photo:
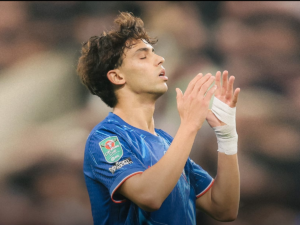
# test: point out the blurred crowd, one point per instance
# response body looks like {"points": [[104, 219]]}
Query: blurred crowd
{"points": [[46, 114]]}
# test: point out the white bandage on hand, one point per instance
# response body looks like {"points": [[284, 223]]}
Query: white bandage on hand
{"points": [[226, 135]]}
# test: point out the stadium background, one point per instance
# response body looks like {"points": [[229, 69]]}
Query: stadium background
{"points": [[46, 114]]}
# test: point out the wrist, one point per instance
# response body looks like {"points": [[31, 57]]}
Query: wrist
{"points": [[227, 139], [189, 129], [229, 146], [226, 135]]}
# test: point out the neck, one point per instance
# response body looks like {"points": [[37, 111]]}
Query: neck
{"points": [[137, 113]]}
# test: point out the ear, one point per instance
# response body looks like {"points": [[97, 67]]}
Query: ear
{"points": [[116, 77]]}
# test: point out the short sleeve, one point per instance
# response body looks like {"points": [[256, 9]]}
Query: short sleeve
{"points": [[111, 159], [200, 179]]}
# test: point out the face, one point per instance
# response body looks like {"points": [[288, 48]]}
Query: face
{"points": [[143, 70]]}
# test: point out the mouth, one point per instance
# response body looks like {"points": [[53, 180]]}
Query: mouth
{"points": [[163, 74]]}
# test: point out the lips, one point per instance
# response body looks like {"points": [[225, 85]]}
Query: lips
{"points": [[162, 74]]}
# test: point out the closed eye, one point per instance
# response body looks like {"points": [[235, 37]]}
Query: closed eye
{"points": [[144, 57]]}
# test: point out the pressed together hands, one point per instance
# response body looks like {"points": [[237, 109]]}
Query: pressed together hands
{"points": [[193, 105], [221, 201], [149, 189]]}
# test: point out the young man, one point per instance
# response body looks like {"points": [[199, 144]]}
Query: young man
{"points": [[135, 173]]}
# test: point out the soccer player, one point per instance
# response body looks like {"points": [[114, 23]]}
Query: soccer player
{"points": [[135, 173]]}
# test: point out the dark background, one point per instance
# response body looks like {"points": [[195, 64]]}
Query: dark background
{"points": [[46, 114]]}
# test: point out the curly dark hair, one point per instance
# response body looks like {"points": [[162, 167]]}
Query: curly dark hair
{"points": [[101, 54]]}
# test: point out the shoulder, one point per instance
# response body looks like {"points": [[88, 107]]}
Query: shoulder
{"points": [[113, 130], [107, 130], [107, 142], [165, 135]]}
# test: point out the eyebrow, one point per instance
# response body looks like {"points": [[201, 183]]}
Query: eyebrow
{"points": [[144, 49]]}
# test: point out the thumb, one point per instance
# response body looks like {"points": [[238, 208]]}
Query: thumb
{"points": [[179, 94]]}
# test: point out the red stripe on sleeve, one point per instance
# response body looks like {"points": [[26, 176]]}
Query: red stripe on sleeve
{"points": [[120, 201], [206, 189]]}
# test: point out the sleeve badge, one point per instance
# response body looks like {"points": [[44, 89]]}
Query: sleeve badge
{"points": [[111, 149]]}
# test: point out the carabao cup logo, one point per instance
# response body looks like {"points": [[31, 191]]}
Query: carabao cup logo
{"points": [[109, 145], [111, 149]]}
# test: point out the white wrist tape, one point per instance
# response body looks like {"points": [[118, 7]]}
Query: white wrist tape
{"points": [[226, 135], [227, 139], [224, 112]]}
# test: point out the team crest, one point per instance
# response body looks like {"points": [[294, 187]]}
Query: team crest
{"points": [[111, 149]]}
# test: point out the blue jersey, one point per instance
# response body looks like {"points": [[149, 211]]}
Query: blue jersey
{"points": [[114, 152]]}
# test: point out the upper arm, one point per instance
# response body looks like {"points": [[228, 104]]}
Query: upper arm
{"points": [[204, 202], [132, 190], [128, 188], [207, 204], [202, 183]]}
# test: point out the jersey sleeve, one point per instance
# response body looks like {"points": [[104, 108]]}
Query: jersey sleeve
{"points": [[111, 159], [200, 179]]}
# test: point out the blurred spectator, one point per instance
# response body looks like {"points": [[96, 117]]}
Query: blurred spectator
{"points": [[54, 190], [13, 19], [41, 84], [263, 49]]}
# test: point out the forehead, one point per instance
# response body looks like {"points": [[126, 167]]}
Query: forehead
{"points": [[136, 45]]}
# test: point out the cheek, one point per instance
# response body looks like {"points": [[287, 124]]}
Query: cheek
{"points": [[140, 66], [138, 71]]}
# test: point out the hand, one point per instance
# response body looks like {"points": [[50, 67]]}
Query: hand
{"points": [[224, 93], [193, 104]]}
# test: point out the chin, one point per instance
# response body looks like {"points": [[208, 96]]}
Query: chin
{"points": [[164, 89], [161, 91]]}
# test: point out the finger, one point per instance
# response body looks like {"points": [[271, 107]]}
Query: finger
{"points": [[230, 88], [235, 97], [224, 85], [179, 94], [179, 97], [200, 83], [206, 86], [211, 92], [192, 83], [218, 83]]}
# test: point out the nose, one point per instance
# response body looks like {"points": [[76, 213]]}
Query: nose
{"points": [[161, 60]]}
